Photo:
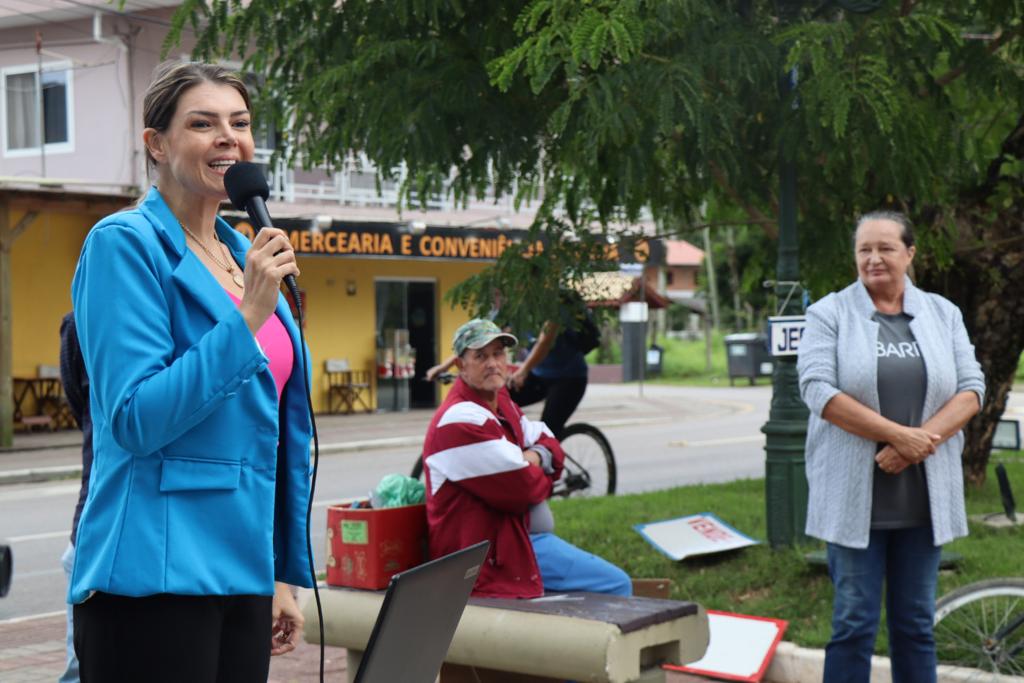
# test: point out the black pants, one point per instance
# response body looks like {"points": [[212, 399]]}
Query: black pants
{"points": [[173, 638], [563, 394]]}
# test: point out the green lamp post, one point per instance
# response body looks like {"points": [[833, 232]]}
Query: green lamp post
{"points": [[786, 429]]}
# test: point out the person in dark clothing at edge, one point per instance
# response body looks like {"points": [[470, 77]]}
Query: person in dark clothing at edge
{"points": [[76, 388], [555, 372]]}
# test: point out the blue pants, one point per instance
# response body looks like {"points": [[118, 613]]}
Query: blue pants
{"points": [[908, 563], [70, 675], [564, 567]]}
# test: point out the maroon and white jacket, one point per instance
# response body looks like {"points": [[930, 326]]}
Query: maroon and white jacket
{"points": [[480, 488]]}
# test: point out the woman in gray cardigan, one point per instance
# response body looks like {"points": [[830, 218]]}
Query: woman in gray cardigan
{"points": [[890, 377]]}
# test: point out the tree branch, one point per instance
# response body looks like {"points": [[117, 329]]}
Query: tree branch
{"points": [[906, 7], [1012, 148], [756, 215], [1000, 40], [687, 230], [655, 58]]}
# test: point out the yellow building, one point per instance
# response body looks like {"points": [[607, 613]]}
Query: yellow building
{"points": [[359, 279]]}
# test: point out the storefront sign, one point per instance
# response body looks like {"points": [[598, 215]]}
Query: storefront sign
{"points": [[394, 240], [389, 240]]}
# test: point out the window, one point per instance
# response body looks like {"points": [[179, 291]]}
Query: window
{"points": [[22, 122]]}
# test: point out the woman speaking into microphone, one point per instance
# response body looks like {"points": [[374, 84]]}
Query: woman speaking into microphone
{"points": [[194, 527]]}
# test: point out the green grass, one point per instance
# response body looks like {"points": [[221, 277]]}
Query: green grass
{"points": [[685, 363], [759, 580]]}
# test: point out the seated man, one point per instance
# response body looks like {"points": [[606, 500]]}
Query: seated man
{"points": [[489, 472]]}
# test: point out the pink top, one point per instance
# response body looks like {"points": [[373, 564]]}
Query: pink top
{"points": [[277, 347]]}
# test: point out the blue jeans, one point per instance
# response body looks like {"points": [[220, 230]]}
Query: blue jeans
{"points": [[70, 675], [564, 567], [908, 563]]}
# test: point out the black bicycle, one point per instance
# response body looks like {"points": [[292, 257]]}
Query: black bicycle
{"points": [[589, 467], [981, 626]]}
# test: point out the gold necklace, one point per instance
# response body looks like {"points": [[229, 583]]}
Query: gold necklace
{"points": [[235, 277]]}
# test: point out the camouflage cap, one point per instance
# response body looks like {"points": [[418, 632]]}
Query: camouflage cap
{"points": [[478, 333]]}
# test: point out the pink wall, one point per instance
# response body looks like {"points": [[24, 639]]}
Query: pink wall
{"points": [[684, 278], [107, 130]]}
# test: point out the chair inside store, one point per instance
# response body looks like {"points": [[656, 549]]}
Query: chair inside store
{"points": [[346, 390], [39, 402]]}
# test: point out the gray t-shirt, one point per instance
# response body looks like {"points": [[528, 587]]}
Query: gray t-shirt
{"points": [[899, 501]]}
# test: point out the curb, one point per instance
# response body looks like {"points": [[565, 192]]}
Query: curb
{"points": [[6, 450], [795, 664], [40, 474], [371, 444]]}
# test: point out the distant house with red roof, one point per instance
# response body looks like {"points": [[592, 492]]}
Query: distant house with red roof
{"points": [[677, 279]]}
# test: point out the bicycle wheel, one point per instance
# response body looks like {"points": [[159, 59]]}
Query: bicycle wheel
{"points": [[589, 463], [981, 625]]}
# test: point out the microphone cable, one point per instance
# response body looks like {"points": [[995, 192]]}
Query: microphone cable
{"points": [[247, 188], [316, 466]]}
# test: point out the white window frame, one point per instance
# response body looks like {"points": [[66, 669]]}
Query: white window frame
{"points": [[52, 147]]}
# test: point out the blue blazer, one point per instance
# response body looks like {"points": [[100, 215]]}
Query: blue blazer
{"points": [[200, 479]]}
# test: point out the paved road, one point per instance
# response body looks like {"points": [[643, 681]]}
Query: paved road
{"points": [[672, 436]]}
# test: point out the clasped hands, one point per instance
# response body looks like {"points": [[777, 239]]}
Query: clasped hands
{"points": [[909, 446]]}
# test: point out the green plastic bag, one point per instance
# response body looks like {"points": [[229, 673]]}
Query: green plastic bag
{"points": [[396, 490]]}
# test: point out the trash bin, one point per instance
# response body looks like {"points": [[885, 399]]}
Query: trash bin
{"points": [[747, 353], [654, 356]]}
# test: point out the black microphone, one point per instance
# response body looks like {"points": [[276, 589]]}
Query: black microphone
{"points": [[247, 188]]}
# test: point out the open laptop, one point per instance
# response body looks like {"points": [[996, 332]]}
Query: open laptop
{"points": [[417, 620]]}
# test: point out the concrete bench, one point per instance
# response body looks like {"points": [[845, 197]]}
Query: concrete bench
{"points": [[586, 637]]}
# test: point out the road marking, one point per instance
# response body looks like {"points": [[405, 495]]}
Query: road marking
{"points": [[717, 442], [32, 617], [738, 406], [20, 576], [39, 537], [32, 492]]}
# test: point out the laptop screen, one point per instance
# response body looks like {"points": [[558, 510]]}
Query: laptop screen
{"points": [[418, 618]]}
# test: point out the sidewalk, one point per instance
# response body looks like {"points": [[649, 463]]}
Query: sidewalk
{"points": [[37, 456], [40, 456]]}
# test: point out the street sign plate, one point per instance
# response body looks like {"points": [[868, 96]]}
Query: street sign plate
{"points": [[633, 312], [786, 332], [1007, 435]]}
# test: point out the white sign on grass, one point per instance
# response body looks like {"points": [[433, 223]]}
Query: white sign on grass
{"points": [[740, 649], [693, 535]]}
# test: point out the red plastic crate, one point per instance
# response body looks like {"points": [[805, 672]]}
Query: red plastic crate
{"points": [[368, 546]]}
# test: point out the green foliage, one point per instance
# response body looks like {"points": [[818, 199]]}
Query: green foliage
{"points": [[619, 106], [616, 109], [524, 281]]}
